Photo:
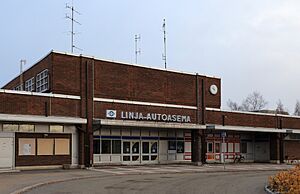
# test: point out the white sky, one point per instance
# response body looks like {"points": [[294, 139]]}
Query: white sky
{"points": [[252, 45]]}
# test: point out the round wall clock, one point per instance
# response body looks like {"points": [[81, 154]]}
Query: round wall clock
{"points": [[213, 89]]}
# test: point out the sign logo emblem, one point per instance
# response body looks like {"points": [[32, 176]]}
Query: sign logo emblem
{"points": [[111, 114]]}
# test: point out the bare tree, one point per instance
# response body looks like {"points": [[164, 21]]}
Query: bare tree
{"points": [[297, 108], [234, 106], [280, 108], [254, 102]]}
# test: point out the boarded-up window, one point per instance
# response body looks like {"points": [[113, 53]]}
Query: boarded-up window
{"points": [[10, 127], [62, 146], [26, 146], [56, 128], [26, 128], [45, 146]]}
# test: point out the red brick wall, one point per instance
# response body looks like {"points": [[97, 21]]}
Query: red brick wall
{"points": [[291, 149], [290, 123], [251, 120], [36, 105], [66, 74], [127, 82], [239, 119]]}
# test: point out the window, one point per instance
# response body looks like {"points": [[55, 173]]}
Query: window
{"points": [[230, 147], [237, 147], [29, 85], [106, 147], [136, 147], [62, 146], [45, 146], [10, 127], [154, 148], [224, 147], [18, 87], [56, 128], [145, 149], [42, 81], [217, 147], [26, 146], [172, 145], [116, 146], [126, 147], [96, 146], [209, 147], [180, 146], [244, 147], [26, 128]]}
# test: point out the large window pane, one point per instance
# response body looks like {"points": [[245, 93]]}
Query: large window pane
{"points": [[45, 146], [154, 148], [180, 146], [10, 127], [106, 147], [172, 145], [26, 128], [209, 147], [126, 147], [230, 147], [136, 147], [224, 147], [217, 147], [56, 128], [116, 146], [26, 146], [237, 147], [96, 146], [145, 147], [62, 146]]}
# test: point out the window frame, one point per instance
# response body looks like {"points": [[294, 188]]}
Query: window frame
{"points": [[29, 85], [42, 81]]}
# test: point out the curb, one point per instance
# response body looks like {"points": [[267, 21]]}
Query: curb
{"points": [[267, 190], [31, 187]]}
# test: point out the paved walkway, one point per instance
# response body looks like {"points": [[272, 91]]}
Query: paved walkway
{"points": [[165, 169], [16, 182]]}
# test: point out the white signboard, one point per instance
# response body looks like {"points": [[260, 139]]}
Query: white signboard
{"points": [[149, 116]]}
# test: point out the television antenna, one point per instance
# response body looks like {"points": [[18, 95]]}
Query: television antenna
{"points": [[164, 55], [22, 63], [73, 20], [137, 39]]}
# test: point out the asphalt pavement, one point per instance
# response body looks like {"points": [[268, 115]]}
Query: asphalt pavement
{"points": [[194, 183], [238, 178]]}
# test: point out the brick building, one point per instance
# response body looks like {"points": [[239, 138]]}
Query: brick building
{"points": [[80, 110]]}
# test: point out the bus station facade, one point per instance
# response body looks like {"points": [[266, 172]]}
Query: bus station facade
{"points": [[83, 111]]}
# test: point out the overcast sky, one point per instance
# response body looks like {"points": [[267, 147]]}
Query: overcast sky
{"points": [[252, 45]]}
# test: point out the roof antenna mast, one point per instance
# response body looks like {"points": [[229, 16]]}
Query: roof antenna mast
{"points": [[73, 10], [137, 39], [164, 56]]}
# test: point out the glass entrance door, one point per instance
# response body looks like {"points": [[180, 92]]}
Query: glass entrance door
{"points": [[131, 152], [149, 151], [217, 151]]}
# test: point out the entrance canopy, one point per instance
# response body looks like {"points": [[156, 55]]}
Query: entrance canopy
{"points": [[148, 124], [251, 129]]}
